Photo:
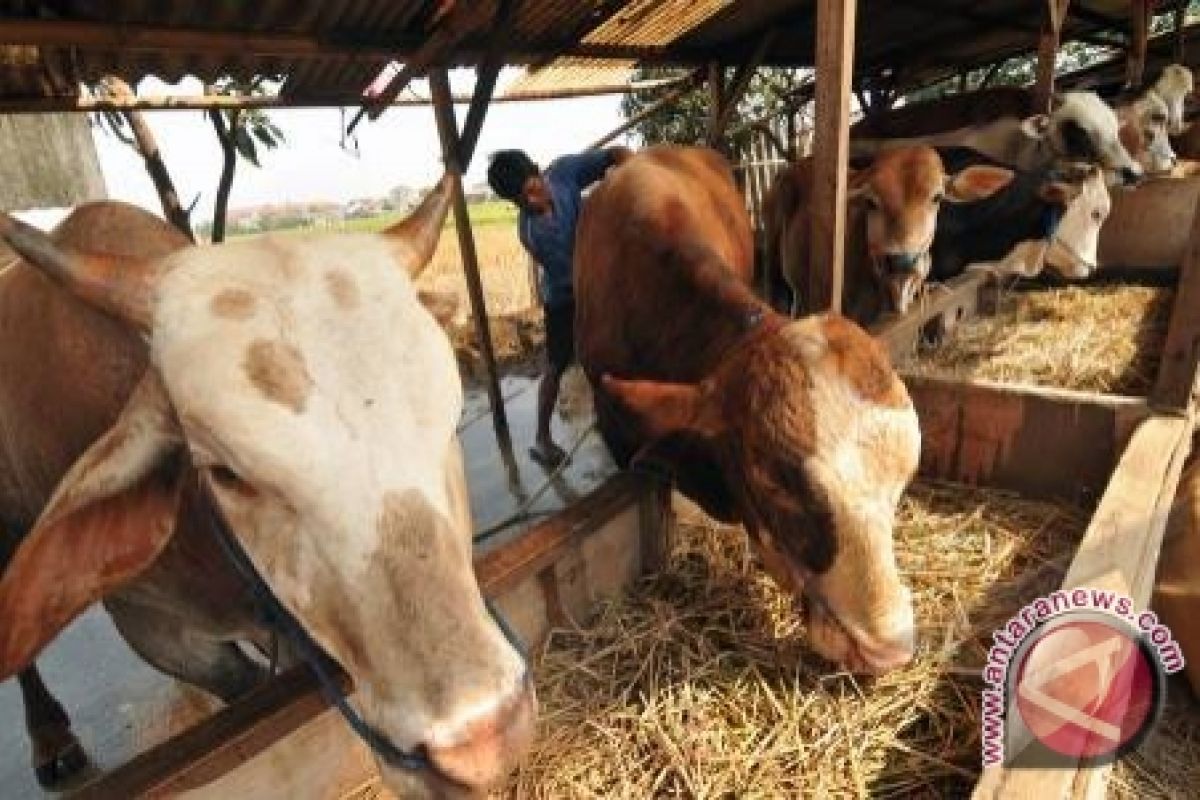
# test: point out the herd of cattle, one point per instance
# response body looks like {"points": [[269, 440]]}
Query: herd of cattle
{"points": [[294, 391], [975, 179]]}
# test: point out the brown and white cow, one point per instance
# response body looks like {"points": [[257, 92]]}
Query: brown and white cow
{"points": [[890, 226], [1079, 128], [293, 386], [800, 430]]}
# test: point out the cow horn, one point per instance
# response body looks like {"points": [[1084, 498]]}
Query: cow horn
{"points": [[120, 287], [419, 231]]}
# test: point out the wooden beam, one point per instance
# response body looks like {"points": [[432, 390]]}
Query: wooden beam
{"points": [[92, 104], [439, 83], [1048, 44], [999, 435], [1140, 12], [1180, 33], [485, 80], [462, 18], [1119, 552], [738, 86], [831, 149], [658, 105], [957, 299], [716, 101], [1175, 384]]}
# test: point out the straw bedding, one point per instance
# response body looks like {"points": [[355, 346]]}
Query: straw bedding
{"points": [[1091, 338], [699, 683]]}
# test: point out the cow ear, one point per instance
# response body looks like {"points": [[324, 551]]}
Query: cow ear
{"points": [[109, 518], [977, 183], [666, 408], [442, 305], [1037, 126]]}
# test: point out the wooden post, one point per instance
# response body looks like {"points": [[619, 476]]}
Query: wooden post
{"points": [[443, 107], [1139, 30], [831, 148], [1181, 34], [1175, 385], [1043, 89], [716, 101]]}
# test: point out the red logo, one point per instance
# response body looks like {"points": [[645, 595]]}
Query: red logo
{"points": [[1086, 688]]}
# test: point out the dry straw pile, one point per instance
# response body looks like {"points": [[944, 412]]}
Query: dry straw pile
{"points": [[1092, 338], [699, 684]]}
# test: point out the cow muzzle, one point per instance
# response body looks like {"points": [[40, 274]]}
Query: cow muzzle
{"points": [[903, 274], [475, 755]]}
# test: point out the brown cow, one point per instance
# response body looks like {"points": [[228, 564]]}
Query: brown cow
{"points": [[890, 226], [296, 389], [800, 430]]}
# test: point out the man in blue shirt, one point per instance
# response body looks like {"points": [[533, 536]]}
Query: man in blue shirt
{"points": [[549, 204]]}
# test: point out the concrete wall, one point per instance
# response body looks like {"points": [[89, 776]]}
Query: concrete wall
{"points": [[47, 161]]}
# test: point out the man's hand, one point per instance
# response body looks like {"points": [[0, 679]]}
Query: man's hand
{"points": [[619, 154]]}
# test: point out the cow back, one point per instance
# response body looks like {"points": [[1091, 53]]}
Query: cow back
{"points": [[637, 313]]}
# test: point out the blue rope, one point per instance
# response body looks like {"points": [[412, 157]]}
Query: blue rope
{"points": [[277, 618]]}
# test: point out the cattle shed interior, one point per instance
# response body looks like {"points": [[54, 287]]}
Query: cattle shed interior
{"points": [[554, 548]]}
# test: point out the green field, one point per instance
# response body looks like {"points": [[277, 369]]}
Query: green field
{"points": [[495, 212]]}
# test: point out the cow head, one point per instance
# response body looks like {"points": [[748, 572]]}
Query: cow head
{"points": [[1083, 203], [1175, 86], [817, 438], [1144, 133], [1082, 127], [902, 191], [299, 380]]}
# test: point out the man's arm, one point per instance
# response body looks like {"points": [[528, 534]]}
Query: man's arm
{"points": [[584, 169]]}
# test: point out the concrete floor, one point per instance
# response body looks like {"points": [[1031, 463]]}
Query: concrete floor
{"points": [[119, 706]]}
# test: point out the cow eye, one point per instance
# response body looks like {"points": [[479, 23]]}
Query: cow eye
{"points": [[1097, 216]]}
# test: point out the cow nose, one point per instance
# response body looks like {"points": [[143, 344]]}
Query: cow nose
{"points": [[481, 751], [1130, 176], [882, 657], [900, 262]]}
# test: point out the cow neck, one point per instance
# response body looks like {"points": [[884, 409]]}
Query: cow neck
{"points": [[757, 323]]}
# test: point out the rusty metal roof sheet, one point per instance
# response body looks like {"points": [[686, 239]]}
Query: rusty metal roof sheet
{"points": [[330, 50]]}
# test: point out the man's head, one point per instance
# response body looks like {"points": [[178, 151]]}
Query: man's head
{"points": [[513, 175]]}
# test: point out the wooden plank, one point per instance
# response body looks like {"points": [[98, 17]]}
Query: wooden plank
{"points": [[1174, 385], [994, 434], [831, 150], [439, 84], [1048, 43], [207, 750], [957, 299], [245, 729], [1119, 552]]}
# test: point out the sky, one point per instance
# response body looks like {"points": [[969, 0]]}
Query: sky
{"points": [[401, 147]]}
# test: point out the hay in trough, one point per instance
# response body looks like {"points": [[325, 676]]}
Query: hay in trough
{"points": [[1091, 338], [700, 683]]}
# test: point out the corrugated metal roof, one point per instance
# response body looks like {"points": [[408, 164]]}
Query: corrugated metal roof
{"points": [[330, 50]]}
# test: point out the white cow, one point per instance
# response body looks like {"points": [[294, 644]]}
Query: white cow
{"points": [[299, 382]]}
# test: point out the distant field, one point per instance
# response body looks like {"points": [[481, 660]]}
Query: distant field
{"points": [[495, 212]]}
